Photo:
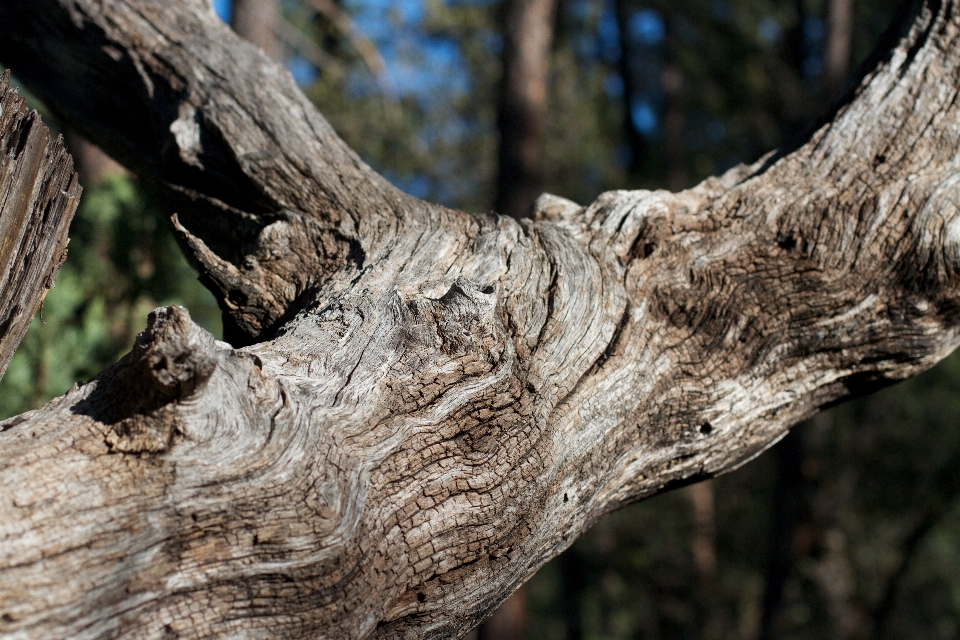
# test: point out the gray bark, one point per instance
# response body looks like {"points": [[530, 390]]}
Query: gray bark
{"points": [[39, 193], [433, 404]]}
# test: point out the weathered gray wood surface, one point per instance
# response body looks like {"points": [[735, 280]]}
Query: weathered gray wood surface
{"points": [[39, 193], [432, 404]]}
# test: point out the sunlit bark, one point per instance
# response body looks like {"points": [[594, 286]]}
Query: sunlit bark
{"points": [[430, 404]]}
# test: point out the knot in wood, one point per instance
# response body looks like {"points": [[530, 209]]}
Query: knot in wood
{"points": [[175, 356], [136, 398], [464, 318]]}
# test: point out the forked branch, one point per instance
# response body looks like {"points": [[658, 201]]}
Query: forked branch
{"points": [[436, 403]]}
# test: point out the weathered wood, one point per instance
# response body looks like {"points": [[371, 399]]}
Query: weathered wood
{"points": [[438, 403], [39, 193], [271, 202]]}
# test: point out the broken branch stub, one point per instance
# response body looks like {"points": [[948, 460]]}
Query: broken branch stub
{"points": [[453, 398], [39, 193]]}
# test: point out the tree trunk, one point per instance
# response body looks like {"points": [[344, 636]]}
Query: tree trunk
{"points": [[635, 140], [573, 583], [522, 118], [522, 124], [92, 165], [837, 54], [509, 621], [788, 508], [39, 193], [256, 20], [674, 127], [432, 404]]}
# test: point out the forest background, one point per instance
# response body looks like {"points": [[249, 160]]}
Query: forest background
{"points": [[848, 528]]}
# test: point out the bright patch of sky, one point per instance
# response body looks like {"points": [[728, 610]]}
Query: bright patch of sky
{"points": [[303, 72], [224, 9], [417, 65], [378, 19], [769, 31], [644, 117], [647, 26]]}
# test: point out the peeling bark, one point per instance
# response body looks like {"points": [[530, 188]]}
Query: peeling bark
{"points": [[39, 193], [432, 404]]}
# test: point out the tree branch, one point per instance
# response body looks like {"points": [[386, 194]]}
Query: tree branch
{"points": [[253, 170], [39, 193], [452, 399]]}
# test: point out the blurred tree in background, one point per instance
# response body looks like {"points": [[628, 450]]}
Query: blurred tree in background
{"points": [[849, 528], [122, 263]]}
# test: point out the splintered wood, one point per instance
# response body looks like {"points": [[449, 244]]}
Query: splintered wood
{"points": [[39, 193], [419, 407]]}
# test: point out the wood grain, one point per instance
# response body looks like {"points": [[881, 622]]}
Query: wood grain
{"points": [[39, 193], [430, 405]]}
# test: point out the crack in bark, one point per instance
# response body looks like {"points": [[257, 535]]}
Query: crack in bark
{"points": [[427, 409]]}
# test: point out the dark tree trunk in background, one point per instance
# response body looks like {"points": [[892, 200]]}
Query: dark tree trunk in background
{"points": [[794, 492], [522, 118], [635, 140], [522, 123], [573, 581], [432, 404], [795, 40], [509, 621], [941, 501], [703, 547], [674, 127], [837, 51], [788, 505], [703, 544], [91, 164], [256, 21]]}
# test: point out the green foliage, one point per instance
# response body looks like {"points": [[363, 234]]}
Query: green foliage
{"points": [[875, 550], [436, 139], [122, 263]]}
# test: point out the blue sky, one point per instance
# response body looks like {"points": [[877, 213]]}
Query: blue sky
{"points": [[416, 65]]}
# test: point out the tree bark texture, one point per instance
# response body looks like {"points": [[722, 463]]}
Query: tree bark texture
{"points": [[522, 117], [522, 124], [39, 193], [431, 404]]}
